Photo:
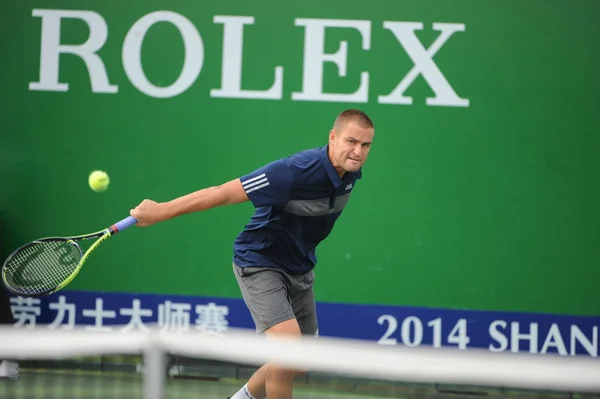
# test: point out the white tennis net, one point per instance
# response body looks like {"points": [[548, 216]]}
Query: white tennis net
{"points": [[168, 365]]}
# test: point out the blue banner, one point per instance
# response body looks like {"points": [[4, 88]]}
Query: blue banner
{"points": [[387, 325]]}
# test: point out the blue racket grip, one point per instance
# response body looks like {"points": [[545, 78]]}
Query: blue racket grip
{"points": [[125, 223]]}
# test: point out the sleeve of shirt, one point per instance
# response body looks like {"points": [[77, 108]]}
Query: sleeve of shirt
{"points": [[269, 185]]}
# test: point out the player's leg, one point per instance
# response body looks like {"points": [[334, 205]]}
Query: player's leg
{"points": [[265, 292], [301, 295], [279, 381], [304, 306]]}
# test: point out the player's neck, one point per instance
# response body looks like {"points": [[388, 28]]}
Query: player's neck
{"points": [[340, 171]]}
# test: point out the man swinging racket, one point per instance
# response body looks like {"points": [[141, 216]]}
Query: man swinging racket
{"points": [[297, 200]]}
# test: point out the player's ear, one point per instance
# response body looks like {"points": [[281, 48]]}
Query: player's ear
{"points": [[331, 136]]}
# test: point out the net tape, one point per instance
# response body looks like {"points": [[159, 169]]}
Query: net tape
{"points": [[324, 354]]}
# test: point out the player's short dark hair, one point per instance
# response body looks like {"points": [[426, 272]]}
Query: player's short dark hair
{"points": [[353, 115]]}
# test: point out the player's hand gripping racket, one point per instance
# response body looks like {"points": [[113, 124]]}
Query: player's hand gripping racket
{"points": [[47, 265]]}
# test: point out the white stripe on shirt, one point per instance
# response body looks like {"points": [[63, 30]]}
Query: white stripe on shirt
{"points": [[257, 187], [255, 183], [253, 179]]}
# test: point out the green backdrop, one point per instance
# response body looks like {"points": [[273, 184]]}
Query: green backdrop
{"points": [[489, 206]]}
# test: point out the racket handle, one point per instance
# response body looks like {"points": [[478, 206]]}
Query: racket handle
{"points": [[125, 223]]}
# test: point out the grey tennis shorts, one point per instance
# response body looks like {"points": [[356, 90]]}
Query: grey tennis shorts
{"points": [[274, 296]]}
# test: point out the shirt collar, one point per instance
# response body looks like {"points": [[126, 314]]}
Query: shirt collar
{"points": [[333, 175]]}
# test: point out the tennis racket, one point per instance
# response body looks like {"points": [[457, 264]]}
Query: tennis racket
{"points": [[47, 265]]}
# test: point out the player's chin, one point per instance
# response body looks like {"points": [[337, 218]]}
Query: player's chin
{"points": [[352, 165]]}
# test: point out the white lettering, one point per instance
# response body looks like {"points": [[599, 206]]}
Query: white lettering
{"points": [[315, 57], [423, 64], [132, 54], [25, 311], [392, 326], [135, 316], [174, 316], [99, 314], [212, 319], [516, 337], [554, 339], [458, 335], [63, 309], [231, 74], [51, 50], [411, 324], [498, 336], [437, 331], [591, 346]]}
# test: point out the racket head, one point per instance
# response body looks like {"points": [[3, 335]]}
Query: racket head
{"points": [[42, 267]]}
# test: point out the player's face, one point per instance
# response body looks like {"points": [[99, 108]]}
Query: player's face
{"points": [[349, 147]]}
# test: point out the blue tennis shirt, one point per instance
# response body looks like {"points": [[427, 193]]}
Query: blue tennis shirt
{"points": [[297, 200]]}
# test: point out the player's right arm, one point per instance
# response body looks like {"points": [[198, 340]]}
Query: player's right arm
{"points": [[269, 185], [151, 212]]}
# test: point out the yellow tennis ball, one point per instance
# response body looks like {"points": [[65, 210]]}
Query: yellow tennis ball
{"points": [[98, 181]]}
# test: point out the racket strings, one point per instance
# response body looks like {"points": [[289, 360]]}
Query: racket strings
{"points": [[42, 266]]}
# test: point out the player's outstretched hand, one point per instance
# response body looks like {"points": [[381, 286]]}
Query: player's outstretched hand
{"points": [[148, 212]]}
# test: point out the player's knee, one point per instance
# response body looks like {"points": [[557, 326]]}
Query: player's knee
{"points": [[280, 374], [288, 328]]}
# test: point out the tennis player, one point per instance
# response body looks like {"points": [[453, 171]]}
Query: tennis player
{"points": [[297, 200]]}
